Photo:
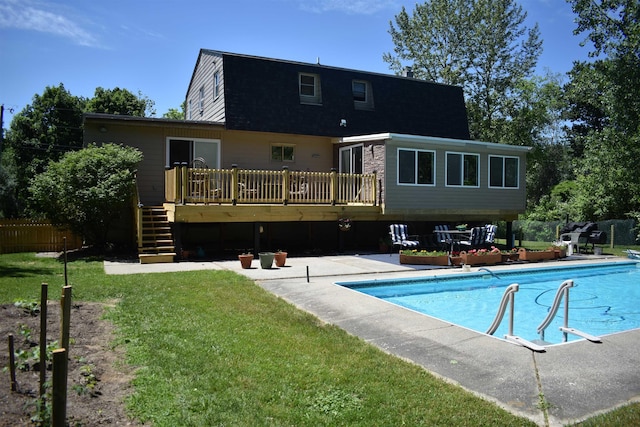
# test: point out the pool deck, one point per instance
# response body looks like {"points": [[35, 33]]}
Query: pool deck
{"points": [[577, 380]]}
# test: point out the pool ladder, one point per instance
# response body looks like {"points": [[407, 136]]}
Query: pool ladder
{"points": [[507, 299], [563, 291]]}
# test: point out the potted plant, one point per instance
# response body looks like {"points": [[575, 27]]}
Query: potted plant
{"points": [[481, 256], [511, 255], [559, 250], [414, 256], [245, 260], [266, 259], [280, 257]]}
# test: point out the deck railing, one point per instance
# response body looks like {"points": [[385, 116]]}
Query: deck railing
{"points": [[184, 185]]}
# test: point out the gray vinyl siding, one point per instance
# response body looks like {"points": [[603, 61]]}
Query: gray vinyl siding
{"points": [[203, 77], [440, 198]]}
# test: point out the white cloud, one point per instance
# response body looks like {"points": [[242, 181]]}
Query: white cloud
{"points": [[31, 16], [356, 7]]}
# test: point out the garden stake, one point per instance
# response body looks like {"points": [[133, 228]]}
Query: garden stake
{"points": [[59, 388], [65, 305], [65, 260], [307, 274], [43, 341], [12, 363]]}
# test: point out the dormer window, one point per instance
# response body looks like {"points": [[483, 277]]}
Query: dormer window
{"points": [[309, 85], [362, 96]]}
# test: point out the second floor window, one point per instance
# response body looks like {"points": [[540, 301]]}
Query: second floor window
{"points": [[216, 85], [201, 99], [309, 88], [463, 170], [416, 167], [362, 97]]}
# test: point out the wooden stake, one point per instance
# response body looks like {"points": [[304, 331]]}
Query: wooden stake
{"points": [[59, 388], [65, 304], [43, 339], [12, 363]]}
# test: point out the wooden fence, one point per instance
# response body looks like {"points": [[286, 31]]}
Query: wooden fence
{"points": [[25, 235]]}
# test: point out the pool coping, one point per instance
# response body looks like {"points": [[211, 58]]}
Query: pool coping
{"points": [[577, 380]]}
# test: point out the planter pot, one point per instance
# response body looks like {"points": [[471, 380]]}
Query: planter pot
{"points": [[456, 260], [424, 260], [281, 259], [510, 257], [245, 260], [266, 259], [559, 253], [535, 256], [486, 259]]}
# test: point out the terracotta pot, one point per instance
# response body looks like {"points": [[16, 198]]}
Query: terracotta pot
{"points": [[456, 260], [486, 259], [559, 252], [280, 258], [424, 259], [510, 257], [245, 260]]}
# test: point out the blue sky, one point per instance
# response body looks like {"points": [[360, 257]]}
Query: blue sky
{"points": [[151, 46]]}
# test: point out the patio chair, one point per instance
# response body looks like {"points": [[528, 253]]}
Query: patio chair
{"points": [[491, 234], [478, 238], [399, 237], [443, 238]]}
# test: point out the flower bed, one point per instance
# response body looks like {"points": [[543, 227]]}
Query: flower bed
{"points": [[423, 257]]}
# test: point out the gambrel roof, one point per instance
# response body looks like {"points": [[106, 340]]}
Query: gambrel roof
{"points": [[263, 94]]}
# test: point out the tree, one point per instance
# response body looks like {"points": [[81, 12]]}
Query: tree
{"points": [[176, 114], [604, 105], [88, 189], [43, 131], [120, 101], [481, 45]]}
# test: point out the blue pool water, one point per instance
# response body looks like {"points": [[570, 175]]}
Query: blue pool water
{"points": [[604, 300]]}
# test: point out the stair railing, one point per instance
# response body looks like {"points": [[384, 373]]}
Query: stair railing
{"points": [[137, 209]]}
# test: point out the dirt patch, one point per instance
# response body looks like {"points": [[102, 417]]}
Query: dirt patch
{"points": [[96, 369]]}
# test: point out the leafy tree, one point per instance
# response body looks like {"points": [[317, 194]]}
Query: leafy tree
{"points": [[87, 189], [43, 131], [604, 104], [176, 114], [120, 101], [481, 45]]}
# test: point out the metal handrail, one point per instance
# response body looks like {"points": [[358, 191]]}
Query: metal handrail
{"points": [[507, 298], [563, 291]]}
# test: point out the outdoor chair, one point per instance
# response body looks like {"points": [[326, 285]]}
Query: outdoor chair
{"points": [[443, 238], [477, 239], [491, 234], [399, 237]]}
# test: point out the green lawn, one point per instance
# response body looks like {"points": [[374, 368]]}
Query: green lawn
{"points": [[213, 348]]}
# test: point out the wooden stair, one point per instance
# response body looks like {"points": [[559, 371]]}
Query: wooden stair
{"points": [[157, 243]]}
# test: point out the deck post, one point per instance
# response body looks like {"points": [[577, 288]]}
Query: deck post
{"points": [[374, 189], [234, 184], [286, 179], [334, 186], [184, 187]]}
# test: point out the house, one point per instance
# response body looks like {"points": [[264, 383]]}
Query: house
{"points": [[272, 153]]}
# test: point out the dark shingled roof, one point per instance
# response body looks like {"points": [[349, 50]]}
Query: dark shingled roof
{"points": [[261, 94]]}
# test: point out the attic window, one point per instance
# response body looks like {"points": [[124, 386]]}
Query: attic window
{"points": [[309, 86], [362, 96]]}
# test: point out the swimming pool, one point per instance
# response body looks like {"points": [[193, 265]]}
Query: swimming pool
{"points": [[604, 300]]}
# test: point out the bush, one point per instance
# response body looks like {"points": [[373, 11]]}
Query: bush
{"points": [[88, 189]]}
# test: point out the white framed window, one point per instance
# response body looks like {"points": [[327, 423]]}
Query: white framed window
{"points": [[216, 85], [362, 95], [309, 88], [283, 153], [182, 151], [504, 172], [416, 167], [189, 110], [351, 159], [201, 99], [462, 169]]}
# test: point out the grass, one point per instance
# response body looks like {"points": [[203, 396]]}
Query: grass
{"points": [[213, 348]]}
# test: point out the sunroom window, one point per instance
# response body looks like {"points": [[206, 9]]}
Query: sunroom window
{"points": [[503, 172], [416, 167], [463, 170]]}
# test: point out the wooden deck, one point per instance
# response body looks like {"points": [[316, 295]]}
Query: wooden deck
{"points": [[234, 195]]}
